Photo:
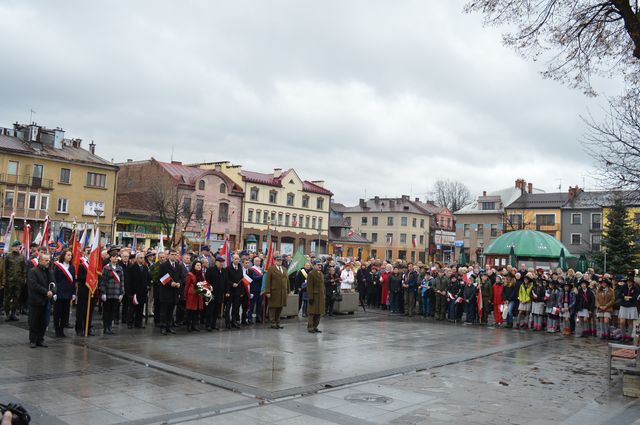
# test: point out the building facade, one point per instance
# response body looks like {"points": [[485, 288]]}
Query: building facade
{"points": [[294, 211], [43, 173], [536, 211], [582, 221], [343, 240], [398, 228], [155, 197]]}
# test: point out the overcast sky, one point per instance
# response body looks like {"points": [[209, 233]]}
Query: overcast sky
{"points": [[378, 96]]}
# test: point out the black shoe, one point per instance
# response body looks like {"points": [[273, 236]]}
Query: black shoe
{"points": [[13, 318], [41, 344], [116, 322], [195, 329], [209, 329], [188, 328], [163, 332], [280, 327], [318, 331], [91, 333], [129, 326], [68, 326], [311, 331], [62, 335], [235, 326], [171, 331], [216, 328], [32, 345], [228, 326]]}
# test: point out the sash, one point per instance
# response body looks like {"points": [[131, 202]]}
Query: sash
{"points": [[256, 270], [34, 261], [115, 277], [304, 273], [83, 263], [66, 272]]}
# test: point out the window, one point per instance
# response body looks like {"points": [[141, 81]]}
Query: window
{"points": [[364, 221], [364, 235], [96, 180], [374, 237], [515, 220], [389, 238], [290, 199], [488, 206], [596, 221], [8, 199], [199, 208], [403, 238], [186, 205], [250, 216], [389, 221], [576, 239], [223, 188], [320, 223], [287, 218], [265, 217], [37, 174], [403, 221], [44, 202], [63, 205], [313, 223], [273, 197], [596, 240], [201, 185], [253, 194], [480, 230], [301, 224], [33, 201], [223, 212], [294, 220], [374, 253], [576, 218], [374, 221], [258, 215], [494, 230], [347, 221], [415, 222], [422, 223], [467, 231], [320, 203], [273, 218], [307, 222], [421, 240], [305, 201], [545, 220], [65, 175], [280, 218], [20, 201], [12, 168]]}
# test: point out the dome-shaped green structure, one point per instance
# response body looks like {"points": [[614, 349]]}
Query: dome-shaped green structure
{"points": [[527, 243]]}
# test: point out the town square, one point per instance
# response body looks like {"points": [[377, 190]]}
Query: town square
{"points": [[347, 212]]}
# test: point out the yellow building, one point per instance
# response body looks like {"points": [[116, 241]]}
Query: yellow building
{"points": [[295, 211], [42, 173], [536, 211]]}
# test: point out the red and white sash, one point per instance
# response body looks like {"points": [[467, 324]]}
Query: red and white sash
{"points": [[115, 276], [84, 263], [66, 272], [34, 261]]}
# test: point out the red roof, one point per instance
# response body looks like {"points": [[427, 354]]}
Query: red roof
{"points": [[270, 180], [190, 175]]}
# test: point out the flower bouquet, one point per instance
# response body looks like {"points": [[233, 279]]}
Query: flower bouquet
{"points": [[203, 289]]}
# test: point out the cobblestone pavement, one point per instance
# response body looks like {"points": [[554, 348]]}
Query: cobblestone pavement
{"points": [[363, 369]]}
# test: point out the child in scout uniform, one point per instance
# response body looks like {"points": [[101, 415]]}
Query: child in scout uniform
{"points": [[566, 304], [605, 297]]}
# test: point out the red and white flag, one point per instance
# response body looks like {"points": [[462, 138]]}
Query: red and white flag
{"points": [[95, 262], [390, 240], [166, 279], [414, 241], [45, 233]]}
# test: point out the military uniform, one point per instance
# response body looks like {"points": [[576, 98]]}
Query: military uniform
{"points": [[316, 297], [14, 278], [277, 287]]}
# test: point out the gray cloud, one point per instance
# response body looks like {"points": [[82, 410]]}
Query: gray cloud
{"points": [[379, 96]]}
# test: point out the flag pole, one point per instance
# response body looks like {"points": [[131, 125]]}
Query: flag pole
{"points": [[86, 325]]}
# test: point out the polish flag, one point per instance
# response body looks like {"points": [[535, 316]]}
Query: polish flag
{"points": [[76, 251], [165, 279], [414, 241], [45, 232], [95, 262]]}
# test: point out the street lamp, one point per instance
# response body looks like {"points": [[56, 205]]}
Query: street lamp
{"points": [[98, 212]]}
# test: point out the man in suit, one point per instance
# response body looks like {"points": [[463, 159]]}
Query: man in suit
{"points": [[138, 281], [39, 296], [217, 277], [277, 289], [169, 276], [236, 294]]}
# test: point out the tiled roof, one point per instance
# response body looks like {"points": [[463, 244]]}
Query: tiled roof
{"points": [[339, 222], [599, 199], [270, 180], [190, 175], [507, 196], [539, 200], [354, 238], [389, 205], [65, 153]]}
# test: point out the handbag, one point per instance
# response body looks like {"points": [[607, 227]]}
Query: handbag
{"points": [[337, 295]]}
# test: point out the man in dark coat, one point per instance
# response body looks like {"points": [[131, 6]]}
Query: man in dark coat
{"points": [[235, 294], [255, 288], [138, 279], [169, 276], [39, 296], [217, 277], [440, 286], [83, 296]]}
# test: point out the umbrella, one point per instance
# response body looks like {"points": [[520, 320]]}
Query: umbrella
{"points": [[562, 262], [513, 262], [582, 264]]}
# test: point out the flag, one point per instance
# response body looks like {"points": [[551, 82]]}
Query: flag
{"points": [[161, 247], [134, 245], [479, 300], [59, 242], [95, 262], [269, 261], [183, 249], [38, 238], [7, 234], [414, 241], [45, 233], [207, 239], [76, 251], [83, 238], [246, 279], [166, 279], [390, 240], [26, 240], [225, 252], [297, 262]]}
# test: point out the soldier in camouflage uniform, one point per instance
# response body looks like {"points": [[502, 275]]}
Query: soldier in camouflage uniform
{"points": [[14, 277]]}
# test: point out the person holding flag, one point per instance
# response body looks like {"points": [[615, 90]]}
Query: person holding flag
{"points": [[255, 273], [235, 294], [246, 281], [65, 279], [86, 297], [170, 284], [111, 290]]}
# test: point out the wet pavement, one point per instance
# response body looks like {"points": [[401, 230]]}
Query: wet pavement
{"points": [[363, 369]]}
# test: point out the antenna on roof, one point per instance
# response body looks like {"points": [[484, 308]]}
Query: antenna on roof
{"points": [[560, 184], [171, 153], [31, 112]]}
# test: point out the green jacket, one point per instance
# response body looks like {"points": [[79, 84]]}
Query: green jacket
{"points": [[15, 270], [315, 292]]}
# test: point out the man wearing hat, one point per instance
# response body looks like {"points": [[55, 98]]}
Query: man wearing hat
{"points": [[14, 278], [217, 277], [170, 283], [316, 297], [111, 290], [277, 288]]}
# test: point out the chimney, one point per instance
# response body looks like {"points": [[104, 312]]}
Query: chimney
{"points": [[92, 148], [484, 193], [318, 182], [176, 162], [405, 197], [33, 133], [361, 203], [573, 192], [376, 199], [417, 199], [277, 172], [530, 187], [129, 160]]}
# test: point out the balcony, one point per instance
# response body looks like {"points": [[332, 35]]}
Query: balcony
{"points": [[24, 213], [26, 180]]}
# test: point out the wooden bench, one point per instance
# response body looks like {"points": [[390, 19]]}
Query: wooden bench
{"points": [[622, 352]]}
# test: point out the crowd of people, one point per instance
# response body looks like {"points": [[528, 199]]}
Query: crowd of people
{"points": [[203, 291]]}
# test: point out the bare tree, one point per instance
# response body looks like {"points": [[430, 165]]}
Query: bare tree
{"points": [[584, 37], [168, 202], [451, 194]]}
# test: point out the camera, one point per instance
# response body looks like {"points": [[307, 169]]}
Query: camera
{"points": [[20, 415]]}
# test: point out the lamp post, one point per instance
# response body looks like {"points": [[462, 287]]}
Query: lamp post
{"points": [[98, 212], [318, 247]]}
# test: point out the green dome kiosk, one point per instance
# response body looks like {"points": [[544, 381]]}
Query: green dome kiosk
{"points": [[533, 248]]}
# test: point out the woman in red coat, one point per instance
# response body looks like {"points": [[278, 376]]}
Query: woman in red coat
{"points": [[498, 301], [384, 279], [194, 302]]}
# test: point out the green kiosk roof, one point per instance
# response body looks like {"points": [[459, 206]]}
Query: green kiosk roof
{"points": [[528, 243]]}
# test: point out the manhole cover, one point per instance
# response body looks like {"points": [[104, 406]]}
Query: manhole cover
{"points": [[368, 398]]}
